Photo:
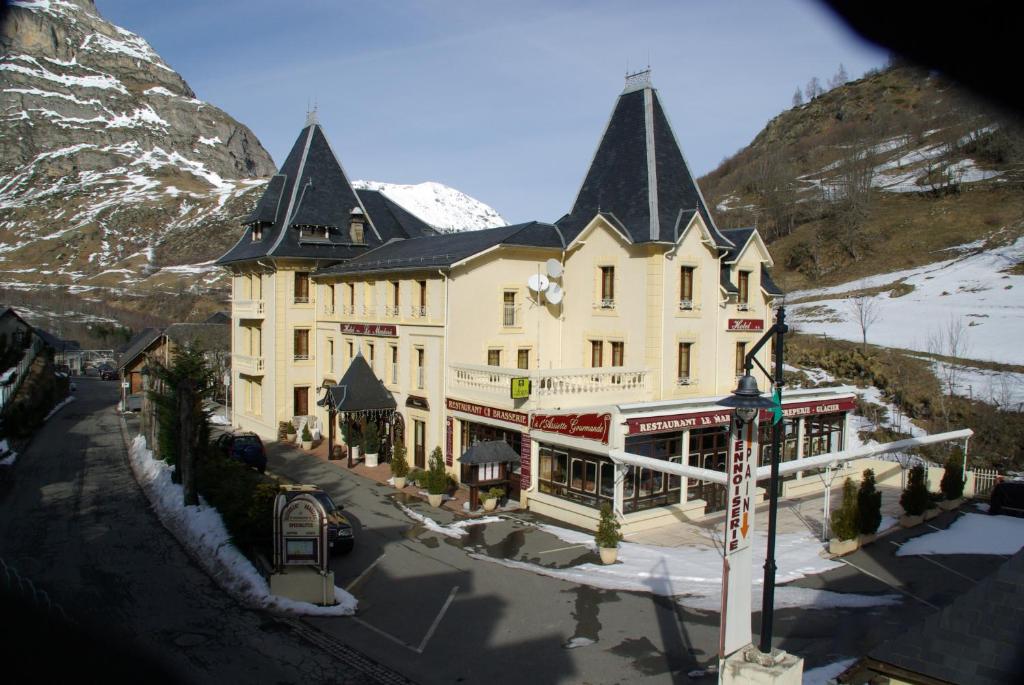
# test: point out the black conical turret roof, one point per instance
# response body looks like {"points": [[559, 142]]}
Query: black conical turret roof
{"points": [[639, 178]]}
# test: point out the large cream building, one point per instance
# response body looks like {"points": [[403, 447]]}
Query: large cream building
{"points": [[630, 317]]}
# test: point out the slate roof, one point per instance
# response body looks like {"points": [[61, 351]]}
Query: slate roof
{"points": [[490, 452], [769, 285], [312, 189], [639, 174], [975, 639], [138, 345], [739, 238], [211, 337], [219, 317], [136, 338], [358, 390], [441, 251], [57, 344]]}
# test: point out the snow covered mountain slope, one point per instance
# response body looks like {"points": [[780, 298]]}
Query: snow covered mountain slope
{"points": [[440, 206]]}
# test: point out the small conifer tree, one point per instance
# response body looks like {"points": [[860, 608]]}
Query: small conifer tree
{"points": [[952, 484], [914, 499], [437, 477], [845, 519], [306, 435], [869, 505], [399, 464], [608, 529]]}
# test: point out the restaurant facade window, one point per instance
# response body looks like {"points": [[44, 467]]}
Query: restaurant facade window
{"points": [[709, 449], [645, 489], [580, 477], [823, 434]]}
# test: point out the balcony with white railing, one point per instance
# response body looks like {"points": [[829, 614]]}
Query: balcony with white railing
{"points": [[247, 309], [327, 309], [418, 312], [248, 364], [551, 387]]}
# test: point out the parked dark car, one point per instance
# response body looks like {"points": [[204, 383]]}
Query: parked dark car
{"points": [[1007, 498], [339, 531], [245, 447], [109, 374]]}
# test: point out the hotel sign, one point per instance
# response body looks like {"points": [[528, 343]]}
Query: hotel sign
{"points": [[480, 410], [812, 408], [678, 422], [585, 426], [741, 325], [381, 329]]}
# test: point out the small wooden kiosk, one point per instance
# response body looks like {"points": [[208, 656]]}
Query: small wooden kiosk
{"points": [[358, 398], [485, 465]]}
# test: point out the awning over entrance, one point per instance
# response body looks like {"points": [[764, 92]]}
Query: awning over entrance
{"points": [[491, 452], [358, 391]]}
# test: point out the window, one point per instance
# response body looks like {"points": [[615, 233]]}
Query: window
{"points": [[330, 355], [683, 363], [741, 357], [301, 287], [686, 288], [709, 449], [422, 287], [351, 351], [257, 232], [509, 311], [607, 287], [618, 353], [823, 434], [355, 230], [596, 348], [553, 466], [368, 293], [419, 368], [371, 355], [301, 344], [395, 297], [744, 287], [394, 364], [646, 488], [493, 357], [523, 358]]}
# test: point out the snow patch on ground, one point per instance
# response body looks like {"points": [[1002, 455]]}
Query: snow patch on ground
{"points": [[67, 400], [452, 530], [971, 534], [823, 674], [201, 529]]}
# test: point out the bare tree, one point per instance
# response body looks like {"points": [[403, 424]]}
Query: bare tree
{"points": [[865, 310], [775, 186], [813, 89], [839, 78], [798, 98], [949, 340]]}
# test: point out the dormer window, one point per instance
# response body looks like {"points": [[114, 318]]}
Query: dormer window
{"points": [[314, 234], [257, 232], [357, 222]]}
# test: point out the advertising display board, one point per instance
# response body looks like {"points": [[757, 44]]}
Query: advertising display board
{"points": [[300, 532]]}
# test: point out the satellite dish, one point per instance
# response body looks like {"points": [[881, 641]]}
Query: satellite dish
{"points": [[555, 293], [537, 282], [554, 268]]}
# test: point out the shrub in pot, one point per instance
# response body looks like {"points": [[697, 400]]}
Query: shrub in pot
{"points": [[914, 499], [952, 484], [399, 465], [371, 444], [290, 432], [417, 476], [845, 522], [491, 498], [437, 478], [869, 507], [608, 536], [307, 438]]}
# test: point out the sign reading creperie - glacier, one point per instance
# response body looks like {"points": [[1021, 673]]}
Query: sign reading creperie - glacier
{"points": [[383, 329], [841, 404]]}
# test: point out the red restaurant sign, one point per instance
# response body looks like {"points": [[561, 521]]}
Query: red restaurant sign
{"points": [[489, 412], [382, 329], [658, 424], [811, 408], [738, 325], [586, 426]]}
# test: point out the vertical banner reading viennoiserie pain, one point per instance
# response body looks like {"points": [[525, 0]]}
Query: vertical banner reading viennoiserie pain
{"points": [[739, 529]]}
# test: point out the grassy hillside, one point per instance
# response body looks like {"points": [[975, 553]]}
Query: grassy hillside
{"points": [[876, 175]]}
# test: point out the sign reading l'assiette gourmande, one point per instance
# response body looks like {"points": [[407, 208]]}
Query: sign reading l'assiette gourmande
{"points": [[586, 426]]}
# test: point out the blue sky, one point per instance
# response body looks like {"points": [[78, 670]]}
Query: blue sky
{"points": [[505, 101]]}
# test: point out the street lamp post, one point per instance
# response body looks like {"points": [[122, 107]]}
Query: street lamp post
{"points": [[748, 401]]}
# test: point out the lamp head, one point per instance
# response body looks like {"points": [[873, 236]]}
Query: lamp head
{"points": [[746, 399]]}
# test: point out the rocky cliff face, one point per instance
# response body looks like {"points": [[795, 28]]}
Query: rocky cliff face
{"points": [[111, 170]]}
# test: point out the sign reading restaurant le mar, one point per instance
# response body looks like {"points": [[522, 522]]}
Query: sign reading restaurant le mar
{"points": [[382, 329], [659, 424], [586, 426]]}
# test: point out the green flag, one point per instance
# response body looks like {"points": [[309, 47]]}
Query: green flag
{"points": [[777, 409]]}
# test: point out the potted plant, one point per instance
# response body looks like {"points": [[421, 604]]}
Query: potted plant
{"points": [[491, 498], [869, 508], [608, 535], [952, 484], [307, 438], [399, 466], [914, 499], [371, 444], [845, 523], [289, 432], [437, 478]]}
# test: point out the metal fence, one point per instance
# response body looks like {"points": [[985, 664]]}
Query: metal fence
{"points": [[8, 389], [984, 481]]}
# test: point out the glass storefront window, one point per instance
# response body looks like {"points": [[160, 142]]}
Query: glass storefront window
{"points": [[608, 480]]}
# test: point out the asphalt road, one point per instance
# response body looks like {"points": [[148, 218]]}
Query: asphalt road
{"points": [[76, 524]]}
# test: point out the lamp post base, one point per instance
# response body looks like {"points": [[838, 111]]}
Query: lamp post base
{"points": [[751, 665]]}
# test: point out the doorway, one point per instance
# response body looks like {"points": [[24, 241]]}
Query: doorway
{"points": [[419, 441], [301, 401]]}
